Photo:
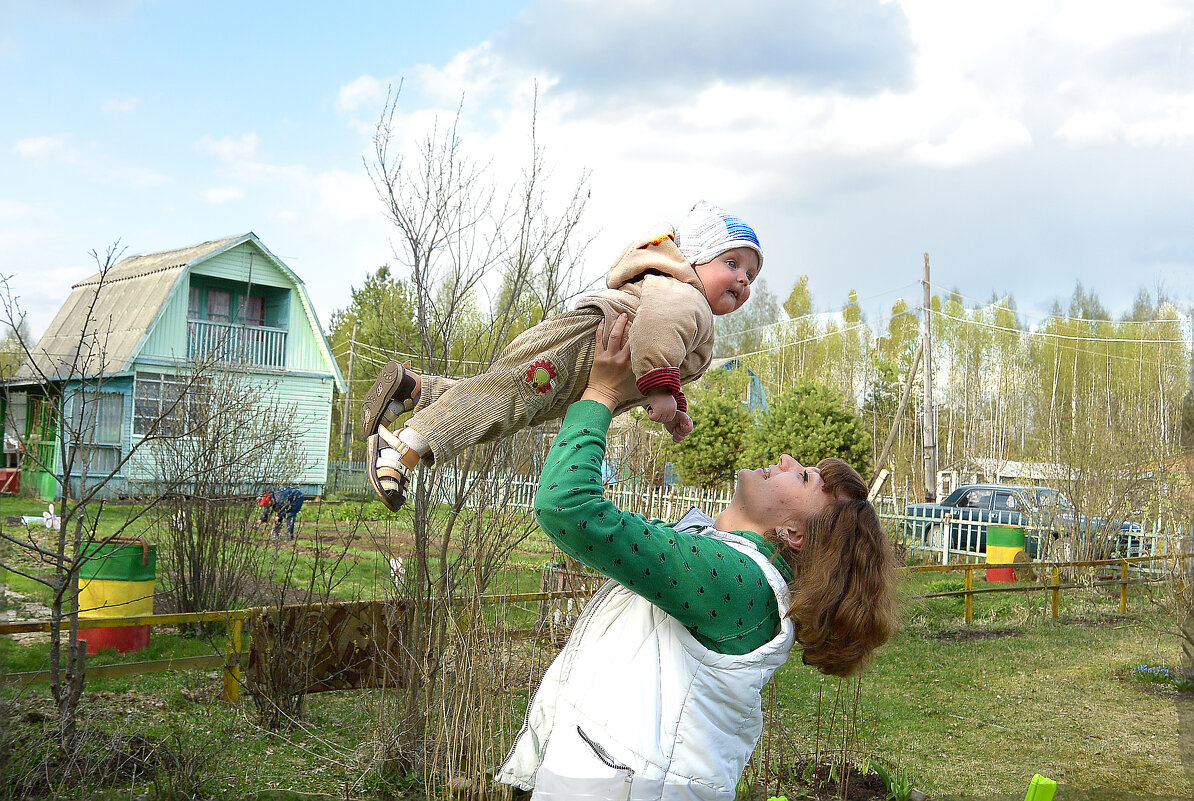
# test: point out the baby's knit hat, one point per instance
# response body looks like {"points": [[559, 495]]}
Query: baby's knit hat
{"points": [[708, 231]]}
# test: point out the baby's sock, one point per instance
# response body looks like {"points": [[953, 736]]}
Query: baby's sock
{"points": [[415, 441]]}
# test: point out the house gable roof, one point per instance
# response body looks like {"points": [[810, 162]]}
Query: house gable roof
{"points": [[119, 308]]}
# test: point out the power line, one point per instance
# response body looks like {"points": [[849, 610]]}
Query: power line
{"points": [[1053, 335], [986, 304]]}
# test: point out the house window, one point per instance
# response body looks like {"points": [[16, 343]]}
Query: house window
{"points": [[14, 422], [252, 310], [96, 419], [230, 304], [168, 404], [219, 306]]}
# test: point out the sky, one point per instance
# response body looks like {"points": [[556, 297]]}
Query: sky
{"points": [[1025, 145]]}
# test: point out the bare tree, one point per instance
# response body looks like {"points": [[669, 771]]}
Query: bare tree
{"points": [[456, 230], [235, 440], [68, 386]]}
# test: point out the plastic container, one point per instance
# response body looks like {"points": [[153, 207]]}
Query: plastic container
{"points": [[117, 580]]}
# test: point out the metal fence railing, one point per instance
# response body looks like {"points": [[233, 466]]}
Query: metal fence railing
{"points": [[959, 536]]}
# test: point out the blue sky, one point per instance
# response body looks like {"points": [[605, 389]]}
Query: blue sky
{"points": [[1024, 144]]}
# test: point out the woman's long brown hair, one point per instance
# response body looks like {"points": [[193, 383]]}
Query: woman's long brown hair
{"points": [[843, 595]]}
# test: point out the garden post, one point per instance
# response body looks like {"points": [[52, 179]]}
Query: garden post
{"points": [[1123, 586], [1056, 591], [969, 597], [232, 663]]}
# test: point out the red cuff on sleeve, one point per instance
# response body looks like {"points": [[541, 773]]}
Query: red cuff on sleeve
{"points": [[681, 402], [665, 378]]}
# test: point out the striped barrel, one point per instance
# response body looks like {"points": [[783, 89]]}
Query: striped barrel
{"points": [[117, 581], [1003, 543]]}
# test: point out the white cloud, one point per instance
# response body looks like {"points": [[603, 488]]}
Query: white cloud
{"points": [[1168, 120], [346, 195], [974, 140], [58, 149], [1102, 24], [120, 105], [15, 211], [218, 195], [1091, 127], [45, 148], [365, 91], [230, 148], [134, 176]]}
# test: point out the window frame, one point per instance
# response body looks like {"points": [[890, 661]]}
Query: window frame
{"points": [[97, 432], [187, 395]]}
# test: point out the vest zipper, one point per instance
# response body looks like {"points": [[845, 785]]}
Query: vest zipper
{"points": [[604, 755], [588, 612]]}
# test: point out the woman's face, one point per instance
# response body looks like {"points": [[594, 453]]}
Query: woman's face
{"points": [[782, 495]]}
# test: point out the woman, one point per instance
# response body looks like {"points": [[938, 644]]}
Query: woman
{"points": [[657, 692]]}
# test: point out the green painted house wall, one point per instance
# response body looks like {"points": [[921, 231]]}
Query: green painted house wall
{"points": [[301, 374]]}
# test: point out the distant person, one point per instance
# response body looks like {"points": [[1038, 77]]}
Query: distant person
{"points": [[671, 284], [283, 504]]}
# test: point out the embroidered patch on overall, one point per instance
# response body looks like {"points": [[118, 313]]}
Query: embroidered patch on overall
{"points": [[541, 375]]}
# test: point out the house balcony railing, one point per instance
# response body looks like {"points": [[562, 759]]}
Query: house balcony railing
{"points": [[253, 345]]}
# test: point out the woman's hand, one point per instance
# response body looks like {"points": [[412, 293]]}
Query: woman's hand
{"points": [[610, 380]]}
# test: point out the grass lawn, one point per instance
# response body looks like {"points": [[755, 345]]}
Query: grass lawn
{"points": [[975, 712], [971, 712]]}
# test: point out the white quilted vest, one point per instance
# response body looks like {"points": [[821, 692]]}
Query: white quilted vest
{"points": [[635, 708]]}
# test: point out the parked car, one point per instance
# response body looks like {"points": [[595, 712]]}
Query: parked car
{"points": [[1130, 541], [973, 507]]}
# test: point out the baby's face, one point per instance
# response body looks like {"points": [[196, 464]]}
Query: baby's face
{"points": [[727, 279]]}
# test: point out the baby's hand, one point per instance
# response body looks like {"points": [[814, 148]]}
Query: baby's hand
{"points": [[679, 427], [661, 406]]}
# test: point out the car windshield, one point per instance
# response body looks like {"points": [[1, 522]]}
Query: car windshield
{"points": [[1052, 499]]}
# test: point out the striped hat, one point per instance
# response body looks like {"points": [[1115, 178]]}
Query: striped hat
{"points": [[708, 231]]}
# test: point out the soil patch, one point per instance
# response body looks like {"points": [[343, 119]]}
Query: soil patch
{"points": [[827, 781], [970, 635]]}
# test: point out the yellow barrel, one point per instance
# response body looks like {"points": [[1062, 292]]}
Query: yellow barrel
{"points": [[1003, 543], [117, 580]]}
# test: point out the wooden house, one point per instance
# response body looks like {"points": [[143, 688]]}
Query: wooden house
{"points": [[126, 343]]}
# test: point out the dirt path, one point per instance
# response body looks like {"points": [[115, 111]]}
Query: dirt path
{"points": [[16, 607]]}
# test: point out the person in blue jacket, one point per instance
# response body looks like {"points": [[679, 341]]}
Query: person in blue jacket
{"points": [[283, 504]]}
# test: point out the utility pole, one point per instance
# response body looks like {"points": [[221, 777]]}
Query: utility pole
{"points": [[930, 420], [346, 428]]}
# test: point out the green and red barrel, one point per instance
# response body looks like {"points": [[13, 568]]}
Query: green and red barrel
{"points": [[1003, 543], [117, 580]]}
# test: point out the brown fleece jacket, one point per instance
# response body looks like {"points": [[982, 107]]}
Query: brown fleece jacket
{"points": [[671, 335]]}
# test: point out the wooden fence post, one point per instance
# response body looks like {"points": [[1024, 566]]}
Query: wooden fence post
{"points": [[1123, 587], [1056, 591], [969, 597], [232, 666]]}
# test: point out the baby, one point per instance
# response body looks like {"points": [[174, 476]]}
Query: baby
{"points": [[669, 284]]}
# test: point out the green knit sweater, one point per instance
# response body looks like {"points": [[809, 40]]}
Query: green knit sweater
{"points": [[721, 596]]}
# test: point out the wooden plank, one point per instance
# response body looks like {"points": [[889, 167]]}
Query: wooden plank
{"points": [[135, 620], [26, 626], [1091, 563], [127, 669], [1033, 588]]}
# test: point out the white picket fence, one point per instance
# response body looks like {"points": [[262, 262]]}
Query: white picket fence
{"points": [[924, 538], [518, 492]]}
